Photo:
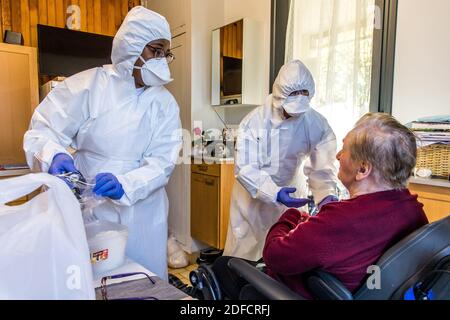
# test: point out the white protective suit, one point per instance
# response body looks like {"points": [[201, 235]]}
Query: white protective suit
{"points": [[270, 152], [116, 128]]}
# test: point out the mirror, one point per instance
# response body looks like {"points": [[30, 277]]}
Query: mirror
{"points": [[236, 64], [231, 46]]}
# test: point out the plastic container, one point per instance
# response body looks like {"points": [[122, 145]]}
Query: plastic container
{"points": [[107, 242]]}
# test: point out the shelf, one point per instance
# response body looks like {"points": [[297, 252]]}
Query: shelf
{"points": [[431, 182], [13, 173], [232, 106]]}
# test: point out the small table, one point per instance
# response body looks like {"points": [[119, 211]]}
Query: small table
{"points": [[137, 286]]}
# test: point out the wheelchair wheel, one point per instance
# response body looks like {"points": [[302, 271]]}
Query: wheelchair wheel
{"points": [[204, 282]]}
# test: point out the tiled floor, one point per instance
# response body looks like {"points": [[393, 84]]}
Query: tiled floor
{"points": [[183, 273]]}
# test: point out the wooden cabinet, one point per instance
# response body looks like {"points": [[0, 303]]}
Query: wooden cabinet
{"points": [[436, 200], [19, 95], [211, 187]]}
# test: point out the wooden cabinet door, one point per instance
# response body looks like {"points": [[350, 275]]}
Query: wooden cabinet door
{"points": [[205, 209], [436, 200], [19, 96]]}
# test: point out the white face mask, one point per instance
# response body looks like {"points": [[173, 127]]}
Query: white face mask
{"points": [[155, 72], [296, 105]]}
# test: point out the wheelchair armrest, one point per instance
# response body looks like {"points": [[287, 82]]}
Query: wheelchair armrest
{"points": [[324, 286], [264, 284]]}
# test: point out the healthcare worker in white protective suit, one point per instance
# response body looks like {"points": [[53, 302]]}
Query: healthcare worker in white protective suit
{"points": [[125, 128], [274, 141]]}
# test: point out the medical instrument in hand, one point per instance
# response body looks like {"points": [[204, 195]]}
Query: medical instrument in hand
{"points": [[83, 192], [76, 181]]}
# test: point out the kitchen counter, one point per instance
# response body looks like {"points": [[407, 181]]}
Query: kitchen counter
{"points": [[431, 182], [434, 194], [212, 160]]}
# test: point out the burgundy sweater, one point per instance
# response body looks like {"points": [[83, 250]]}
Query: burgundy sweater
{"points": [[344, 239]]}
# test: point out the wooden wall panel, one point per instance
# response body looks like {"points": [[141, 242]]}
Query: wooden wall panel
{"points": [[97, 16], [1, 25], [111, 18], [43, 12], [15, 15], [25, 21], [117, 14], [60, 13], [51, 12], [104, 16], [6, 15], [124, 8], [83, 8], [34, 19], [90, 15]]}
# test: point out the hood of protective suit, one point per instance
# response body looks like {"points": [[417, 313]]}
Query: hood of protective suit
{"points": [[140, 27], [293, 76]]}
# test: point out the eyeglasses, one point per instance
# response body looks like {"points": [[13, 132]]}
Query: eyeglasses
{"points": [[160, 53], [300, 92], [118, 276]]}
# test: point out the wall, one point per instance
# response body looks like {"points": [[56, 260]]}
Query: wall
{"points": [[97, 16], [175, 12], [206, 15], [422, 66]]}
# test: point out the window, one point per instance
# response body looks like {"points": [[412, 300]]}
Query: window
{"points": [[347, 45], [334, 39]]}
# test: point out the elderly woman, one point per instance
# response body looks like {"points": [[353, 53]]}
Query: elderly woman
{"points": [[347, 237]]}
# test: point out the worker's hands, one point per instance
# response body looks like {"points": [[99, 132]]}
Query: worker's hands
{"points": [[328, 199], [284, 198], [62, 163], [107, 185]]}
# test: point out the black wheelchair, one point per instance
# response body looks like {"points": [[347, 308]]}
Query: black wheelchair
{"points": [[416, 268]]}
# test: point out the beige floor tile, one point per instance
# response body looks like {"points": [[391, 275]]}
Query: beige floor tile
{"points": [[177, 271], [185, 280], [192, 267]]}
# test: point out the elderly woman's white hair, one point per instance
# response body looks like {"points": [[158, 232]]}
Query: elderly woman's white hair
{"points": [[390, 147]]}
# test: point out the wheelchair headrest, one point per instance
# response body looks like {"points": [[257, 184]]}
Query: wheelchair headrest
{"points": [[408, 257]]}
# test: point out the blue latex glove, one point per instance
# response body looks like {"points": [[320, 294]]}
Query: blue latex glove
{"points": [[326, 200], [284, 198], [62, 163], [107, 185]]}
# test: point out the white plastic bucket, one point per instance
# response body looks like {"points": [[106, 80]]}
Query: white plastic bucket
{"points": [[107, 242]]}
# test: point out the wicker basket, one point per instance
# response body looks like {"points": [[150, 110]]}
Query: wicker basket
{"points": [[435, 157]]}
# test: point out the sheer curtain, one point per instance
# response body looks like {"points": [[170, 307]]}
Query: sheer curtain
{"points": [[334, 38]]}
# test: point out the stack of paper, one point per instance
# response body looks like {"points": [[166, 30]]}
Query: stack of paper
{"points": [[432, 131]]}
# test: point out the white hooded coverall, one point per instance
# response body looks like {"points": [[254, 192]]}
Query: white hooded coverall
{"points": [[116, 128], [270, 152]]}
